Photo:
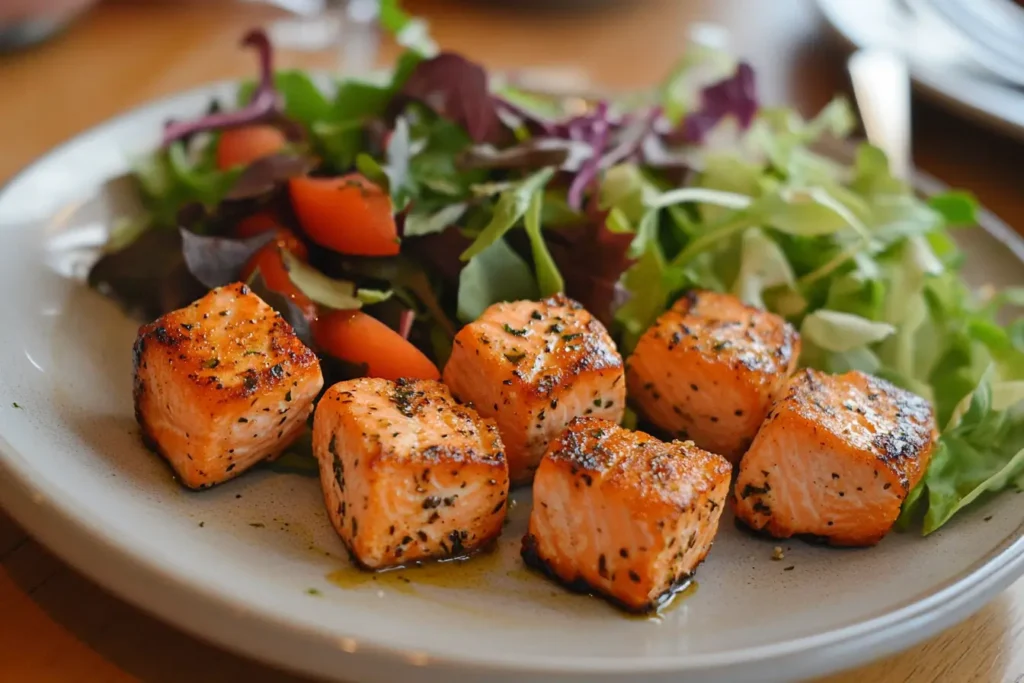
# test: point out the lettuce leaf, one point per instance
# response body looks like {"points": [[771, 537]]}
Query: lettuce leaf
{"points": [[510, 209], [980, 453], [549, 279], [497, 273]]}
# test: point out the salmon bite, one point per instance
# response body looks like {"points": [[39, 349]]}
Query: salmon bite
{"points": [[533, 366], [221, 385], [623, 514], [407, 473], [835, 459], [709, 368]]}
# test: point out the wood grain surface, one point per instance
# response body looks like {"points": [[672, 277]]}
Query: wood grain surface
{"points": [[56, 625]]}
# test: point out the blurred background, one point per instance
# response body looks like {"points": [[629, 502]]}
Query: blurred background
{"points": [[96, 58]]}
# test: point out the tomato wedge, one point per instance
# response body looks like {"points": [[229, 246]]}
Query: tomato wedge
{"points": [[350, 214], [268, 261], [259, 223], [357, 337], [242, 146]]}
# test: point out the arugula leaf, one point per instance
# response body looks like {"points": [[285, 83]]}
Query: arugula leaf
{"points": [[807, 212], [407, 30], [497, 273], [510, 209], [763, 265], [625, 190], [337, 294], [957, 208], [420, 222], [645, 280], [728, 200], [339, 142], [304, 102], [549, 279], [835, 331], [399, 154], [981, 451], [172, 178]]}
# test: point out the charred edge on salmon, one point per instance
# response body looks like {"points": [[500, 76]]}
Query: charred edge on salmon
{"points": [[533, 560], [809, 539]]}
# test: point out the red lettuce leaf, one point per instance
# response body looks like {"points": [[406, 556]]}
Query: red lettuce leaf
{"points": [[149, 277], [591, 259], [265, 103], [456, 89], [218, 261], [267, 175]]}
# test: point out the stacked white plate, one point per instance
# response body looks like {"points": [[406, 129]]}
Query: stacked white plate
{"points": [[966, 54]]}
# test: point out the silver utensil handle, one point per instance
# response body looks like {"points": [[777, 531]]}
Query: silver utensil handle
{"points": [[881, 85]]}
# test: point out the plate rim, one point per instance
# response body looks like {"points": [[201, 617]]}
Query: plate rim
{"points": [[66, 529]]}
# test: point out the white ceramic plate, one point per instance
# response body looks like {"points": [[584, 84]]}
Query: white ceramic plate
{"points": [[943, 65], [236, 564]]}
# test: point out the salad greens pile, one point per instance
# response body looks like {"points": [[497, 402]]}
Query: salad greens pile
{"points": [[503, 194]]}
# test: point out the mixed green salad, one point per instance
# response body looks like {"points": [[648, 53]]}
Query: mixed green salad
{"points": [[421, 200]]}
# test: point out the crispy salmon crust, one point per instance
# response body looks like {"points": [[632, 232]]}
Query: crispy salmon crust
{"points": [[835, 459], [533, 366], [709, 368], [407, 473], [624, 515], [221, 385]]}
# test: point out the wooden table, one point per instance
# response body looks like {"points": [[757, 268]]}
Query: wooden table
{"points": [[57, 626]]}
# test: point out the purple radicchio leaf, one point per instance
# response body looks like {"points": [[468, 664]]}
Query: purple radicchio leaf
{"points": [[217, 261], [632, 138], [456, 89], [264, 176], [735, 95], [265, 101], [598, 139]]}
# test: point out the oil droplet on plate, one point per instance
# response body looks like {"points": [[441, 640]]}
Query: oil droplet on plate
{"points": [[672, 601], [468, 572]]}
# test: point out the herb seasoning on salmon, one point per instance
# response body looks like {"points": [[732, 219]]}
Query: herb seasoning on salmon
{"points": [[708, 370], [623, 514], [407, 473], [222, 384], [533, 366], [835, 459]]}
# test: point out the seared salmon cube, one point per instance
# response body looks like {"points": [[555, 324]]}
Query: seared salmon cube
{"points": [[708, 370], [835, 459], [622, 514], [533, 366], [221, 385], [407, 473]]}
